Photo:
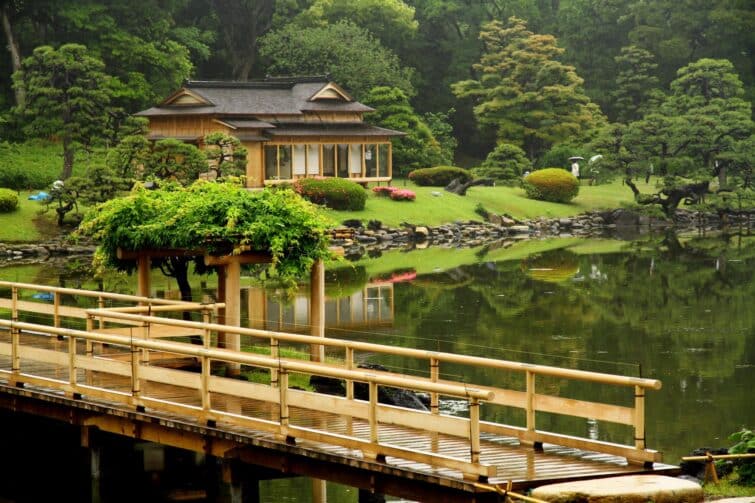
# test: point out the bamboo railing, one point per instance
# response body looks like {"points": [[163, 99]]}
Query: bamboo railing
{"points": [[125, 327]]}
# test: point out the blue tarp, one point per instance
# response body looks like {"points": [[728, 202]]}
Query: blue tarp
{"points": [[43, 296], [39, 196]]}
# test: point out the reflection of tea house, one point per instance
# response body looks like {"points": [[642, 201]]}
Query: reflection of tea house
{"points": [[369, 307]]}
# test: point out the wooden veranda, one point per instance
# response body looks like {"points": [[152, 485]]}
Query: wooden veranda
{"points": [[127, 365]]}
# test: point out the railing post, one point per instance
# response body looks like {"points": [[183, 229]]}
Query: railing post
{"points": [[530, 378], [274, 353], [72, 380], [101, 305], [434, 376], [136, 386], [349, 366], [283, 387], [205, 383], [639, 417], [90, 329], [14, 303], [56, 309], [207, 332], [373, 412], [474, 429]]}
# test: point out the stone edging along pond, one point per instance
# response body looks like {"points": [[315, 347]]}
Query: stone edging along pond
{"points": [[356, 239]]}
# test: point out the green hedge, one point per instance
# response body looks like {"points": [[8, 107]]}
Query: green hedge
{"points": [[551, 184], [8, 201], [335, 193], [439, 176]]}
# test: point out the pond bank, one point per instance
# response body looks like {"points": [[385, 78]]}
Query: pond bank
{"points": [[356, 239]]}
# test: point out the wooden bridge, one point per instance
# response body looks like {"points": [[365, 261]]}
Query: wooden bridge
{"points": [[132, 366]]}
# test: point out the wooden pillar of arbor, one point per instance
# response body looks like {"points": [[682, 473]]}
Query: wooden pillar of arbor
{"points": [[229, 289], [317, 309]]}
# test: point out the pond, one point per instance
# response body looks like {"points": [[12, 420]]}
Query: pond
{"points": [[674, 308]]}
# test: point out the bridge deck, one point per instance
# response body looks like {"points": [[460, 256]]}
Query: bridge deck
{"points": [[521, 464]]}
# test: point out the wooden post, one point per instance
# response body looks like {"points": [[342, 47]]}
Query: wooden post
{"points": [[283, 402], [639, 417], [233, 310], [221, 299], [474, 430], [317, 309], [274, 353], [373, 412], [143, 263], [349, 366], [434, 375], [56, 309], [530, 411], [319, 491]]}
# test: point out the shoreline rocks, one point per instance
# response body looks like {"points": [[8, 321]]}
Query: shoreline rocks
{"points": [[358, 239]]}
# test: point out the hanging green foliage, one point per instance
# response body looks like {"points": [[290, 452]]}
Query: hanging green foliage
{"points": [[219, 218]]}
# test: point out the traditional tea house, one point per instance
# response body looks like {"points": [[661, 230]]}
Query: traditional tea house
{"points": [[293, 127]]}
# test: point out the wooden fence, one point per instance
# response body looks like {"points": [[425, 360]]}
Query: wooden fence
{"points": [[142, 337]]}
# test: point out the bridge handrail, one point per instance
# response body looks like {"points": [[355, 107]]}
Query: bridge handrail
{"points": [[372, 412], [89, 293], [219, 354], [545, 370]]}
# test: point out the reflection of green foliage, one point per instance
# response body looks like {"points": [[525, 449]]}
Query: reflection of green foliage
{"points": [[343, 281], [554, 266]]}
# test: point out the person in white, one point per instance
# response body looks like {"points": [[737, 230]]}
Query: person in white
{"points": [[575, 169]]}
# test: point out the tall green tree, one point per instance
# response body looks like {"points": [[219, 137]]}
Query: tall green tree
{"points": [[390, 21], [346, 52], [636, 83], [240, 26], [523, 92], [68, 96], [419, 148]]}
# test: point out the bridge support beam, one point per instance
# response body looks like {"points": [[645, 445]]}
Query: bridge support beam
{"points": [[92, 460], [240, 486]]}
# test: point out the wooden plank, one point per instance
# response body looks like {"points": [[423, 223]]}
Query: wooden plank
{"points": [[45, 308]]}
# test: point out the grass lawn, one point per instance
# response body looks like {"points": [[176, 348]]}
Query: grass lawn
{"points": [[435, 206], [28, 223]]}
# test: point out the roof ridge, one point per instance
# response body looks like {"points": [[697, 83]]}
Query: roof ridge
{"points": [[268, 81]]}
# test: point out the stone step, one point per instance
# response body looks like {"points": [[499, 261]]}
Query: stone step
{"points": [[625, 489]]}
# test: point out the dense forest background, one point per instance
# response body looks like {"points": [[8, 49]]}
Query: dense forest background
{"points": [[612, 53]]}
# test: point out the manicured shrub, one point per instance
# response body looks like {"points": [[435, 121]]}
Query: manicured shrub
{"points": [[335, 193], [394, 193], [383, 190], [439, 176], [403, 195], [8, 201], [505, 164], [551, 184]]}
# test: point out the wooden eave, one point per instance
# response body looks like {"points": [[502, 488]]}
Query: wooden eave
{"points": [[331, 86], [202, 101]]}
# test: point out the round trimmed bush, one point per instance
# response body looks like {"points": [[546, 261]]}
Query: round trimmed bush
{"points": [[8, 201], [439, 176], [551, 184], [335, 193]]}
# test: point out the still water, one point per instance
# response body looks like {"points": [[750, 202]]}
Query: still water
{"points": [[676, 308]]}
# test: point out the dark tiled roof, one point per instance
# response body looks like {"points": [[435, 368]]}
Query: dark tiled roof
{"points": [[246, 123], [280, 96], [331, 129]]}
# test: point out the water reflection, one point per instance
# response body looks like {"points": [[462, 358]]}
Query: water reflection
{"points": [[676, 308]]}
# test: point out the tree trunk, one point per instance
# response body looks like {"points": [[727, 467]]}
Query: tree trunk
{"points": [[722, 176], [68, 155], [15, 54]]}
